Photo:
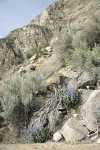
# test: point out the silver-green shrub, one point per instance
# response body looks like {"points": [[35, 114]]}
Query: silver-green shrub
{"points": [[16, 96], [84, 57]]}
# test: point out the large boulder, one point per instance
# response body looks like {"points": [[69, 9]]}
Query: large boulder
{"points": [[86, 79], [84, 95], [98, 141], [73, 130], [91, 110]]}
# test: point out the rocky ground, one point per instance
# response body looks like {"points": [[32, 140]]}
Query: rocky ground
{"points": [[50, 146]]}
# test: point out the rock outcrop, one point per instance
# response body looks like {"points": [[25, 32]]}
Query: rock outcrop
{"points": [[65, 13], [91, 111], [86, 79], [73, 130], [22, 43]]}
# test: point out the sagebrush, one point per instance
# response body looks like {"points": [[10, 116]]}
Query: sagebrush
{"points": [[16, 96]]}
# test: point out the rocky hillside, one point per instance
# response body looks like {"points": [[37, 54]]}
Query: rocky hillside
{"points": [[14, 48], [65, 13], [36, 35], [50, 76]]}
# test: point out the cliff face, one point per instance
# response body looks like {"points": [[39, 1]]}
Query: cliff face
{"points": [[60, 15]]}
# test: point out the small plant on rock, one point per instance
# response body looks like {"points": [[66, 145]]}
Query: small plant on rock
{"points": [[36, 134], [41, 135], [70, 97], [71, 101]]}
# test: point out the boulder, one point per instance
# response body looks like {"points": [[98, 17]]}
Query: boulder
{"points": [[34, 57], [69, 72], [91, 110], [22, 70], [57, 136], [93, 138], [86, 79], [73, 130], [48, 49], [98, 141], [84, 95]]}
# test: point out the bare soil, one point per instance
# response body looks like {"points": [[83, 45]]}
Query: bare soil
{"points": [[50, 146]]}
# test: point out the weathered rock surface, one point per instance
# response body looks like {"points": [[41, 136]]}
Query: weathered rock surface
{"points": [[69, 72], [57, 136], [34, 57], [86, 79], [48, 115], [98, 141], [16, 46], [73, 130], [67, 12], [91, 110], [84, 95]]}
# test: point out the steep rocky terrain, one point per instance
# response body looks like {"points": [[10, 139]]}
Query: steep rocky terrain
{"points": [[67, 13], [18, 42], [41, 89], [60, 15]]}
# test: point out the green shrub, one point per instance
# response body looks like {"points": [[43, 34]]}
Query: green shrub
{"points": [[31, 52], [70, 97], [1, 137], [70, 102], [9, 96], [16, 96], [82, 50], [92, 32], [50, 65], [84, 57], [41, 136], [17, 61], [63, 44]]}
